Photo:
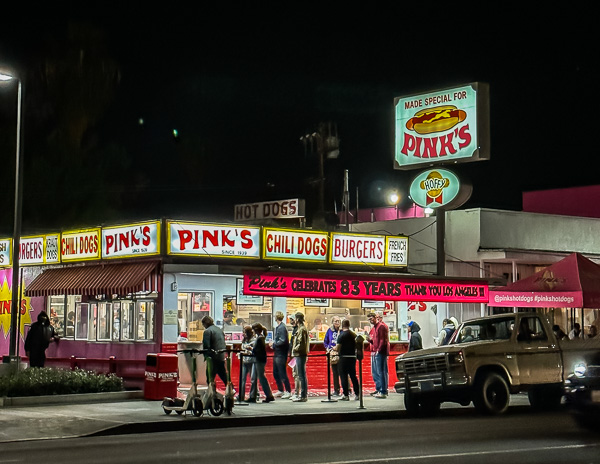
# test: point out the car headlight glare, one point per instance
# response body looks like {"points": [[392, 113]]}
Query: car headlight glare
{"points": [[580, 369]]}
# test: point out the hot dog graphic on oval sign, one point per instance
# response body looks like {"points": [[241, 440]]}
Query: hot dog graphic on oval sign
{"points": [[437, 127]]}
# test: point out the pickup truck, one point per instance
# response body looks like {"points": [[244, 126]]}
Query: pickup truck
{"points": [[489, 358]]}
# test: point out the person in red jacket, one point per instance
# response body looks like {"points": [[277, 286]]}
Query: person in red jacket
{"points": [[379, 338]]}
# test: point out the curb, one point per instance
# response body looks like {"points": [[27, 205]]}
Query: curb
{"points": [[78, 398], [209, 422]]}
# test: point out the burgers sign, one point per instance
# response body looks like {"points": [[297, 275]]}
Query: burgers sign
{"points": [[445, 126]]}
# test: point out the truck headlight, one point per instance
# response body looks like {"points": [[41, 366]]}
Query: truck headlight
{"points": [[457, 358], [580, 369]]}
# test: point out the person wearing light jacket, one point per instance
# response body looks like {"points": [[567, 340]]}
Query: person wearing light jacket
{"points": [[300, 351], [329, 342]]}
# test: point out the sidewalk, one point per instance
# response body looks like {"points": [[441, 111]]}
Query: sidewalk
{"points": [[32, 422]]}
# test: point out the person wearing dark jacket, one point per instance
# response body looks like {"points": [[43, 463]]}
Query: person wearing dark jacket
{"points": [[346, 346], [260, 354], [281, 347], [40, 334], [214, 340], [415, 343]]}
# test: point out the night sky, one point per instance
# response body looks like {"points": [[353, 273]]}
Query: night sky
{"points": [[242, 87]]}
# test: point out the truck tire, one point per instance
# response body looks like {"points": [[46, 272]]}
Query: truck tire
{"points": [[491, 394], [430, 405], [411, 403], [545, 397]]}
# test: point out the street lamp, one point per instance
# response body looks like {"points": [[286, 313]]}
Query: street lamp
{"points": [[6, 77], [393, 198]]}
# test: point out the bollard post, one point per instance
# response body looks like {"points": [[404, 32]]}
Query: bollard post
{"points": [[239, 402], [112, 365], [329, 399], [361, 405], [360, 352]]}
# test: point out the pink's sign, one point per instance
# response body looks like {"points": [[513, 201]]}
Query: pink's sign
{"points": [[364, 288]]}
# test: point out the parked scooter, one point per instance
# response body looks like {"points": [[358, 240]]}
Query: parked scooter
{"points": [[192, 401], [229, 390], [212, 399]]}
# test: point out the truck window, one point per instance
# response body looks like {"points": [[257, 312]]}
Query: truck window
{"points": [[497, 329], [531, 328]]}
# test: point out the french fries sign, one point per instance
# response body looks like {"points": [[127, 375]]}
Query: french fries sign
{"points": [[445, 126]]}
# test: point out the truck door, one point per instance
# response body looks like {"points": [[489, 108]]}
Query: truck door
{"points": [[538, 358]]}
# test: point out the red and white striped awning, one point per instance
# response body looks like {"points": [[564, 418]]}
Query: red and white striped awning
{"points": [[104, 279]]}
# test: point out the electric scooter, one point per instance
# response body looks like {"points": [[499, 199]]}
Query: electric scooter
{"points": [[212, 399], [192, 401], [229, 390]]}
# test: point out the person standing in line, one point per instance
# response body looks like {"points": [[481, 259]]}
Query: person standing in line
{"points": [[381, 346], [300, 351], [346, 346], [214, 340], [374, 372], [415, 342], [330, 341], [446, 333], [260, 353], [558, 332], [281, 347], [296, 393], [38, 339], [575, 332], [248, 366]]}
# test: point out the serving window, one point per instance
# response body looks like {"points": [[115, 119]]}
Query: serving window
{"points": [[116, 321]]}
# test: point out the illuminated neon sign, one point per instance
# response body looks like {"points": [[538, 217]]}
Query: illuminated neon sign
{"points": [[364, 288], [295, 245], [213, 240], [443, 126]]}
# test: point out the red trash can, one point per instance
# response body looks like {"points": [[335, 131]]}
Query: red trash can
{"points": [[161, 376]]}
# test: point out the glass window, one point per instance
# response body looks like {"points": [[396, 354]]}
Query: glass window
{"points": [[116, 329], [145, 320], [104, 321], [128, 321], [81, 321], [92, 318], [531, 328], [72, 301], [56, 311]]}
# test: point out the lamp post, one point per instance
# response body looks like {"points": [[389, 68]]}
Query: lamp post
{"points": [[393, 199], [15, 305]]}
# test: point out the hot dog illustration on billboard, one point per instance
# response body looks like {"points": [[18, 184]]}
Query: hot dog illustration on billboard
{"points": [[436, 119], [445, 126]]}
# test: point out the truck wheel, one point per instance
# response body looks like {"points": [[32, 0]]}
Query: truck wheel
{"points": [[545, 397], [430, 406], [411, 403], [491, 394]]}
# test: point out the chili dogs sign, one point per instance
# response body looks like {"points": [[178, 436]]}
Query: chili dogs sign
{"points": [[295, 245], [445, 126], [364, 288]]}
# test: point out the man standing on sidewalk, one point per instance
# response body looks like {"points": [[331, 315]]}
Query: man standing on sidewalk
{"points": [[300, 351], [281, 345], [380, 349], [214, 341], [346, 346]]}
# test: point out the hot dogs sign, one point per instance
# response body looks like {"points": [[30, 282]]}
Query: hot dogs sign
{"points": [[445, 126]]}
